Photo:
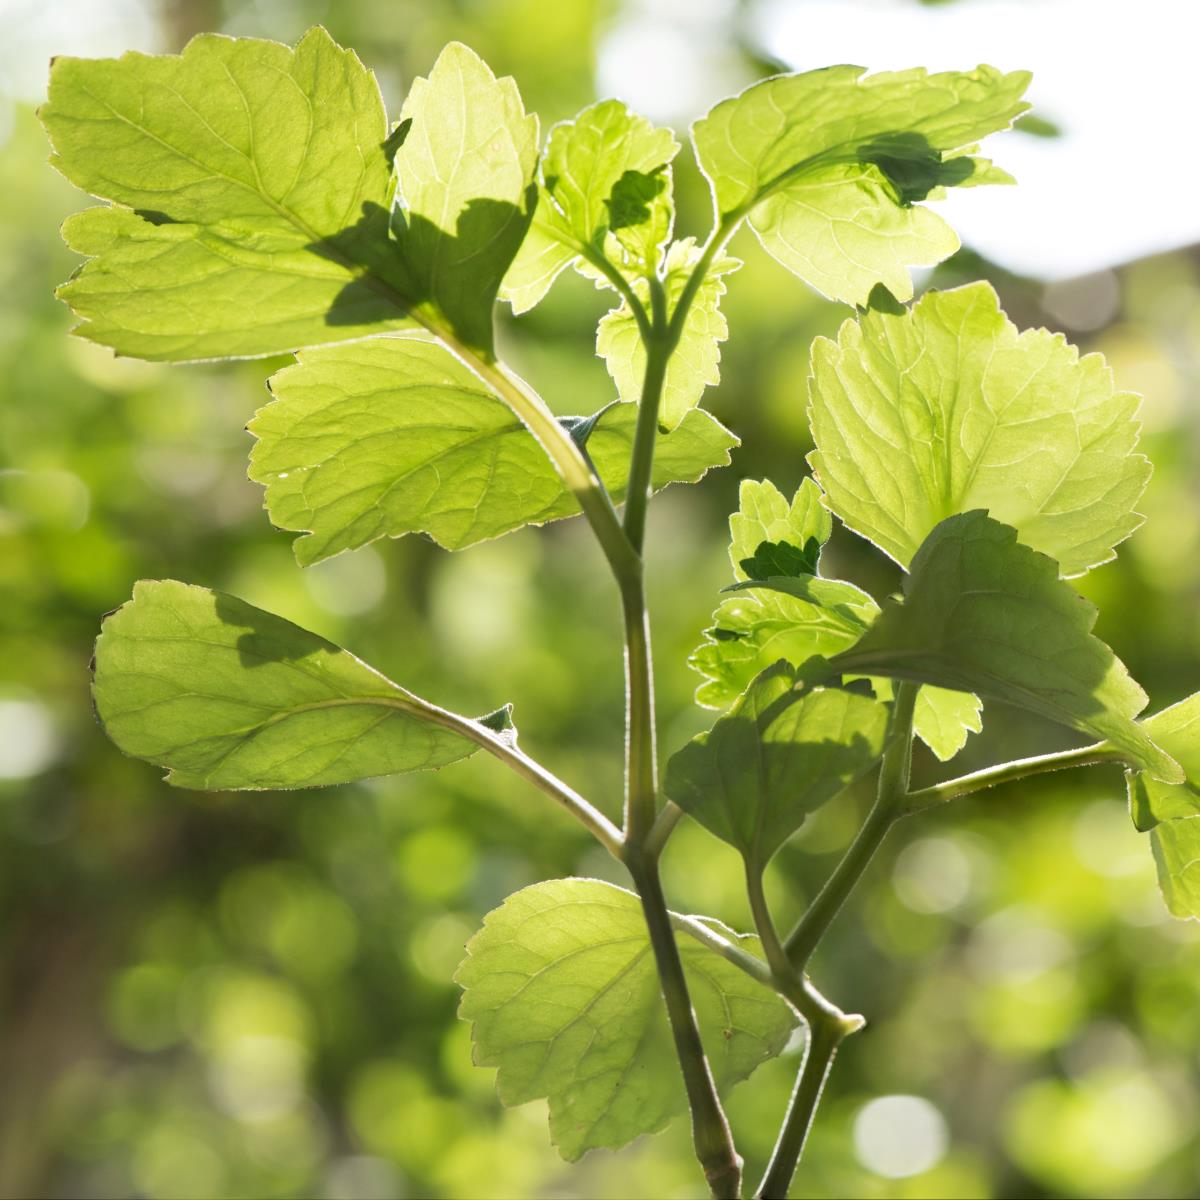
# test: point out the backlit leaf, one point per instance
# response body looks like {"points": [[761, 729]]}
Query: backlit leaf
{"points": [[1177, 731], [694, 364], [1170, 812], [562, 994], [830, 167], [394, 435], [921, 414], [227, 696], [250, 193], [252, 188], [796, 616], [605, 190], [465, 189]]}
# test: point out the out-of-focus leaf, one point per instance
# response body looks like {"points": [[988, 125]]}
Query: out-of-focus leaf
{"points": [[984, 613], [921, 414], [563, 997], [776, 756], [830, 167], [227, 696], [394, 435]]}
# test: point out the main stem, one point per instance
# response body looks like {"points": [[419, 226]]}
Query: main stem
{"points": [[711, 1135], [824, 1038]]}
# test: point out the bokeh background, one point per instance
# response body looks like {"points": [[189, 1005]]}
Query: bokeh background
{"points": [[250, 996]]}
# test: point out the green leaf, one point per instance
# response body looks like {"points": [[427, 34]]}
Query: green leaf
{"points": [[1170, 812], [604, 191], [394, 435], [230, 697], [1177, 731], [984, 613], [765, 515], [920, 414], [250, 197], [769, 619], [563, 997], [694, 364], [776, 756], [800, 615], [1176, 847], [830, 165], [942, 719], [465, 188]]}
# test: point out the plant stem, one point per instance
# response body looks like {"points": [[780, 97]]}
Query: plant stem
{"points": [[711, 1135], [823, 1041], [708, 937], [1021, 768], [505, 749], [641, 767], [641, 754], [641, 462], [568, 459], [893, 786], [827, 1025], [664, 825]]}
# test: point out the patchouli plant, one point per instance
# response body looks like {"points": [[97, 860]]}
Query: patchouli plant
{"points": [[257, 201]]}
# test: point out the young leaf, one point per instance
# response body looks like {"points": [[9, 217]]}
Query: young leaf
{"points": [[393, 435], [792, 619], [764, 515], [921, 414], [465, 187], [693, 365], [830, 165], [983, 612], [776, 756], [561, 991], [1177, 731], [230, 697], [605, 190], [798, 615], [249, 191]]}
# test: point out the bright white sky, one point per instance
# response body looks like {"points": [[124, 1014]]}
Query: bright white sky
{"points": [[1120, 77]]}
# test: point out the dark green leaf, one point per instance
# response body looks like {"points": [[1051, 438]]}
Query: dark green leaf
{"points": [[984, 613], [776, 756]]}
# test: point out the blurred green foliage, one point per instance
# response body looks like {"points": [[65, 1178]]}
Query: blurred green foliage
{"points": [[249, 996]]}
